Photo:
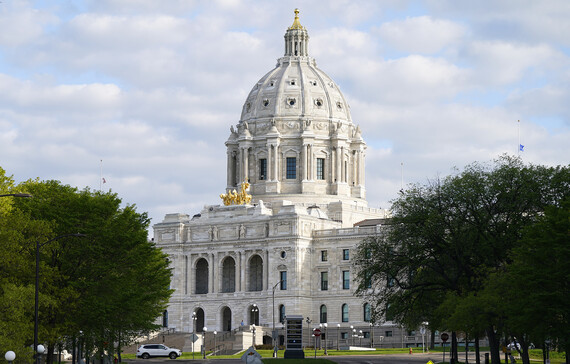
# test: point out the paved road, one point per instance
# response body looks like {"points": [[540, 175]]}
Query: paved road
{"points": [[364, 359], [361, 359]]}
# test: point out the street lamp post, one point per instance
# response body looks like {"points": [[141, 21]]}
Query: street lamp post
{"points": [[308, 321], [338, 337], [273, 333], [10, 356], [352, 333], [320, 337], [37, 290], [194, 318], [371, 323], [215, 333], [205, 329], [326, 325], [40, 350], [255, 314], [360, 335]]}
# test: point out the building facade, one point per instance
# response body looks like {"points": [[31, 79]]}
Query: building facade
{"points": [[290, 250]]}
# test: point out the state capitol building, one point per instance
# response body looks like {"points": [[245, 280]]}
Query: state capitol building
{"points": [[290, 250]]}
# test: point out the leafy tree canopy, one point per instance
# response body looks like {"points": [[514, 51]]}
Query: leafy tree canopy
{"points": [[109, 284], [448, 236]]}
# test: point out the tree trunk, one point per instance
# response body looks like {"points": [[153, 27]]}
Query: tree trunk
{"points": [[73, 353], [466, 349], [432, 341], [493, 345], [453, 353], [477, 353]]}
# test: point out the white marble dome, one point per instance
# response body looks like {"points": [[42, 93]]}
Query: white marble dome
{"points": [[296, 87], [295, 139]]}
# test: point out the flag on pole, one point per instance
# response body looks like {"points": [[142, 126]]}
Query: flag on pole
{"points": [[521, 147], [105, 181]]}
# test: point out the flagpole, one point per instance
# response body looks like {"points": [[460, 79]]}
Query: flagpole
{"points": [[519, 134], [402, 176], [101, 176]]}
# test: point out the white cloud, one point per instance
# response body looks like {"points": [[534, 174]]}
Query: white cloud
{"points": [[421, 34], [501, 63], [152, 87], [21, 23]]}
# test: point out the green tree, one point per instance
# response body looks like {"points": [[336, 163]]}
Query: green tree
{"points": [[446, 237], [113, 283], [535, 289]]}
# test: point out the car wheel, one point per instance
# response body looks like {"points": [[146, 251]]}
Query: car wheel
{"points": [[173, 355], [145, 356]]}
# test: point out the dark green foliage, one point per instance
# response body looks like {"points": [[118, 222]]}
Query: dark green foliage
{"points": [[447, 238], [104, 287]]}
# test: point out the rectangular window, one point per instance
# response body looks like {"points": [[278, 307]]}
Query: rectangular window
{"points": [[291, 168], [388, 333], [324, 281], [283, 283], [345, 254], [320, 168], [262, 169], [345, 279], [368, 279], [324, 256], [344, 335]]}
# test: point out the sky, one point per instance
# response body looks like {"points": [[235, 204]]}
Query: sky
{"points": [[143, 92]]}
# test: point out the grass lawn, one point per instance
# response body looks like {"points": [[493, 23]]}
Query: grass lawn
{"points": [[293, 361]]}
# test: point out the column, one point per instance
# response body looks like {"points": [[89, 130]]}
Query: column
{"points": [[338, 165], [229, 169], [310, 168], [191, 274], [238, 272], [245, 152], [269, 162], [243, 268], [362, 168], [276, 163], [266, 268], [342, 166], [304, 161], [211, 284]]}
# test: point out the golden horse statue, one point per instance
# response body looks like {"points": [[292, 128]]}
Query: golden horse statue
{"points": [[237, 198]]}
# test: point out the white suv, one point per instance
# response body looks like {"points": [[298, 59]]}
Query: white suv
{"points": [[148, 350]]}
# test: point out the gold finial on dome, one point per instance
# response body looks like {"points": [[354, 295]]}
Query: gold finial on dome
{"points": [[296, 23]]}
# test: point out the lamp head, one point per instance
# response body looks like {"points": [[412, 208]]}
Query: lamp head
{"points": [[10, 355], [40, 349]]}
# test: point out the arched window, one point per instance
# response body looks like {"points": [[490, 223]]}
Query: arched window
{"points": [[389, 313], [323, 314], [165, 318], [229, 275], [254, 315], [226, 319], [200, 319], [255, 273], [202, 276], [345, 312], [367, 312], [282, 314]]}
